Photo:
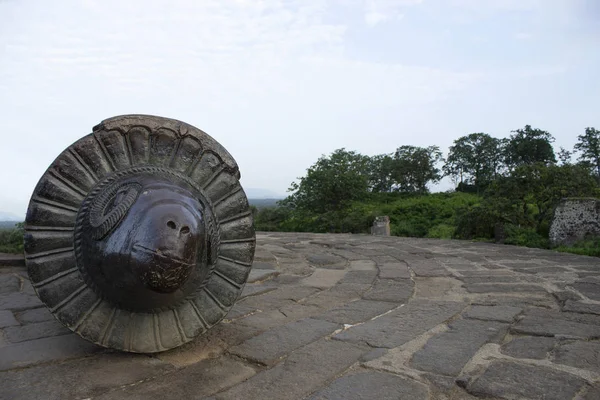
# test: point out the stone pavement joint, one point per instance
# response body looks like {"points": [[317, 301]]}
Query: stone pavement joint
{"points": [[343, 317]]}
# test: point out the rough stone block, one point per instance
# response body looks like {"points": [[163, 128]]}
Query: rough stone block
{"points": [[541, 326], [255, 289], [357, 311], [257, 275], [372, 385], [270, 346], [401, 325], [193, 382], [585, 355], [447, 353], [326, 261], [37, 330], [590, 319], [35, 315], [362, 265], [363, 277], [349, 290], [303, 372], [348, 254], [264, 265], [592, 393], [528, 347], [562, 296], [88, 377], [328, 299], [508, 380], [391, 290], [56, 348], [428, 268], [486, 273], [239, 311], [574, 219], [279, 297], [493, 313], [591, 290], [541, 270], [323, 278], [7, 319], [472, 280], [396, 270], [381, 226], [579, 307], [285, 314], [9, 283], [19, 301], [211, 345], [504, 288], [12, 260]]}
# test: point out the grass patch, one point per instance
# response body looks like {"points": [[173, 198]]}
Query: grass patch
{"points": [[586, 247], [526, 237]]}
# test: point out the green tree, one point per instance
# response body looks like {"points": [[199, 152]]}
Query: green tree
{"points": [[474, 159], [416, 167], [589, 146], [564, 156], [529, 146], [270, 218], [381, 173], [332, 183], [11, 240], [530, 193], [523, 201]]}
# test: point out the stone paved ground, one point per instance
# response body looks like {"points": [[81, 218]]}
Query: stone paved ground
{"points": [[344, 317]]}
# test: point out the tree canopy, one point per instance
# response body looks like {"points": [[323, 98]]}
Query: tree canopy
{"points": [[529, 146], [416, 167], [475, 159], [588, 145], [516, 182], [331, 183]]}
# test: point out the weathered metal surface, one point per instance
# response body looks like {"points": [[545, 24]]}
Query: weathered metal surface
{"points": [[139, 236]]}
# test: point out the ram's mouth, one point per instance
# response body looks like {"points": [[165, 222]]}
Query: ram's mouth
{"points": [[160, 271], [162, 255]]}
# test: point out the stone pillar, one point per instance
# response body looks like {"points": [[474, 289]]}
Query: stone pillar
{"points": [[381, 226]]}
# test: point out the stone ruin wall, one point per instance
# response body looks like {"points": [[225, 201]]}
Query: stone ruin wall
{"points": [[574, 219]]}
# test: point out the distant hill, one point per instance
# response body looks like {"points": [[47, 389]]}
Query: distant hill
{"points": [[7, 224], [263, 203], [258, 193]]}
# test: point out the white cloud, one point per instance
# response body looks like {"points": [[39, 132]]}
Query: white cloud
{"points": [[499, 5], [523, 36], [277, 82], [372, 18], [221, 65], [377, 11]]}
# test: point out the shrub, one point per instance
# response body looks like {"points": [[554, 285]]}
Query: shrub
{"points": [[441, 231], [407, 228], [587, 247], [527, 237], [475, 222], [11, 240]]}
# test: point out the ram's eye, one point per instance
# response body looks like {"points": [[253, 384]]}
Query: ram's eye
{"points": [[109, 208]]}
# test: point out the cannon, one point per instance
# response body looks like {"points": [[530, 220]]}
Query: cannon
{"points": [[139, 236]]}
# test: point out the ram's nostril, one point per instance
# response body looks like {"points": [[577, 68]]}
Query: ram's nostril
{"points": [[185, 230], [171, 225]]}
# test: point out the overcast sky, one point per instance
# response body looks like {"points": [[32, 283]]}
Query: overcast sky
{"points": [[279, 83]]}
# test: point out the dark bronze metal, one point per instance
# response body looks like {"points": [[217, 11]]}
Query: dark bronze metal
{"points": [[139, 236]]}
